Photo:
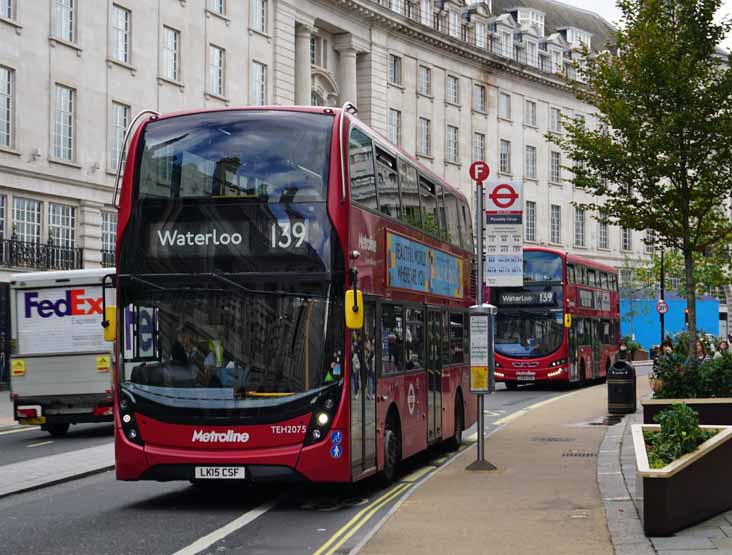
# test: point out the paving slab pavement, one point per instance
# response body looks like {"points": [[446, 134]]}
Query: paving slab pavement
{"points": [[54, 469], [543, 498]]}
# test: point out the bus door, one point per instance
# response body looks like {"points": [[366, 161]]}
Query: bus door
{"points": [[596, 341], [573, 351], [363, 394], [434, 376]]}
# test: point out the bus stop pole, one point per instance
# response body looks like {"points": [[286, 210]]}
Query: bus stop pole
{"points": [[479, 219]]}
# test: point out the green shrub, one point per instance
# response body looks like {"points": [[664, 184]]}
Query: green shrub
{"points": [[680, 434], [684, 378], [632, 345]]}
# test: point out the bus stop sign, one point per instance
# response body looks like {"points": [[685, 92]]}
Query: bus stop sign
{"points": [[479, 171]]}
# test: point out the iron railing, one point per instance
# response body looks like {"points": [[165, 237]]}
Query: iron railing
{"points": [[42, 256], [107, 259]]}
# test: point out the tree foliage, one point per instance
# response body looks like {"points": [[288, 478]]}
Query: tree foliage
{"points": [[661, 158], [710, 271]]}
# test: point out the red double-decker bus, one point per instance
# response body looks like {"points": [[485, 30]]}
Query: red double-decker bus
{"points": [[242, 234], [563, 325]]}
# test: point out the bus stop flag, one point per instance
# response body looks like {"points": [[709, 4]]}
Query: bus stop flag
{"points": [[504, 213]]}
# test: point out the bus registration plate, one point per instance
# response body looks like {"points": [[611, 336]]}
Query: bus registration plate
{"points": [[525, 376], [220, 472]]}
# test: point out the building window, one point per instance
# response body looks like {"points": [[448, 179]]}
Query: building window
{"points": [[555, 169], [504, 105], [171, 56], [27, 219], [556, 61], [530, 162], [555, 120], [120, 121], [259, 15], [453, 142], [603, 236], [455, 25], [395, 69], [626, 239], [216, 62], [6, 9], [6, 106], [504, 161], [62, 225], [453, 89], [478, 147], [532, 57], [530, 220], [395, 126], [579, 227], [121, 34], [425, 136], [479, 98], [556, 224], [650, 241], [424, 81], [65, 20], [480, 35], [63, 128], [217, 6], [530, 113], [425, 12], [259, 84], [506, 45], [3, 206], [318, 52], [109, 237]]}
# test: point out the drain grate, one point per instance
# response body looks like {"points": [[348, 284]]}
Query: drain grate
{"points": [[579, 454], [553, 439], [609, 420]]}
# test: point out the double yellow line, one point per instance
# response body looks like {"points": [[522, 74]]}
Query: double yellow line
{"points": [[361, 518]]}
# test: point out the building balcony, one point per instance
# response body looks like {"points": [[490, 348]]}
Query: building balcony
{"points": [[39, 256]]}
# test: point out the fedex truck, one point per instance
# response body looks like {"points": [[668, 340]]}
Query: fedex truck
{"points": [[60, 366]]}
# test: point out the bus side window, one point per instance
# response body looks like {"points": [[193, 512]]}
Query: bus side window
{"points": [[570, 273], [591, 280], [430, 218], [441, 214], [361, 169], [607, 332], [466, 226], [453, 220], [445, 336], [410, 213], [581, 275], [392, 339], [414, 339], [387, 183], [457, 338]]}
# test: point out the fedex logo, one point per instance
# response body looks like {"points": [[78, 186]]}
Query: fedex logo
{"points": [[74, 303]]}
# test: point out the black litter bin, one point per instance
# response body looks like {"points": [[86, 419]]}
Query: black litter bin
{"points": [[621, 388]]}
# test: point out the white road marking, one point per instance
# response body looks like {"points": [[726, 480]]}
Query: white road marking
{"points": [[7, 432], [40, 443], [210, 539], [524, 411]]}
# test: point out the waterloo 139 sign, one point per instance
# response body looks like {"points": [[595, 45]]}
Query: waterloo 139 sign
{"points": [[504, 210]]}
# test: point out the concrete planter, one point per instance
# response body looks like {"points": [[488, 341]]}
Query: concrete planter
{"points": [[689, 490], [712, 411]]}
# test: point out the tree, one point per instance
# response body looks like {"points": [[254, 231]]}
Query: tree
{"points": [[661, 158], [711, 270]]}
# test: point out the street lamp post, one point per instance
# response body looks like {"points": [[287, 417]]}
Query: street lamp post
{"points": [[661, 315]]}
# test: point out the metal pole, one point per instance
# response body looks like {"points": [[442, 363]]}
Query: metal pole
{"points": [[479, 218], [663, 292]]}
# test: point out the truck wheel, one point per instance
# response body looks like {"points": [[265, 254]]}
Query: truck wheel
{"points": [[57, 430]]}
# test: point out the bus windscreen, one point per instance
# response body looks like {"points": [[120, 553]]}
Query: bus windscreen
{"points": [[267, 155]]}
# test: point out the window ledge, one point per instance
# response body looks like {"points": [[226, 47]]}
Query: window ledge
{"points": [[555, 184], [432, 98], [603, 249], [536, 179], [507, 174], [221, 16], [12, 23], [532, 241], [451, 163], [481, 112], [162, 79], [9, 150], [583, 247], [253, 31], [68, 163], [120, 63], [395, 85], [113, 172], [210, 95], [529, 125], [556, 244], [450, 103], [554, 132], [427, 156], [53, 41], [504, 118]]}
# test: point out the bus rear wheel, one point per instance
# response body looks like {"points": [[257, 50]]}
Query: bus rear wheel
{"points": [[453, 444]]}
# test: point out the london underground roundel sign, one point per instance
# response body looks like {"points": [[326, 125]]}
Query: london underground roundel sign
{"points": [[479, 171]]}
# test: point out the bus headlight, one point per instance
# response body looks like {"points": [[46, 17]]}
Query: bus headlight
{"points": [[324, 408], [322, 418], [127, 416]]}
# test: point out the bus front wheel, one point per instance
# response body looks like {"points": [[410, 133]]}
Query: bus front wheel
{"points": [[392, 453], [511, 385]]}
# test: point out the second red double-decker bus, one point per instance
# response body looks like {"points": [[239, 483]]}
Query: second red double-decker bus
{"points": [[241, 233], [563, 325]]}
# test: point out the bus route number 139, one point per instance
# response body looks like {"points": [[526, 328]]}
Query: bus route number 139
{"points": [[286, 234]]}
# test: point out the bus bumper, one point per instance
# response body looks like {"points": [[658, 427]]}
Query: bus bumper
{"points": [[560, 374]]}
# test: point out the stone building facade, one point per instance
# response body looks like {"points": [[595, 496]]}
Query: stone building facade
{"points": [[449, 80]]}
